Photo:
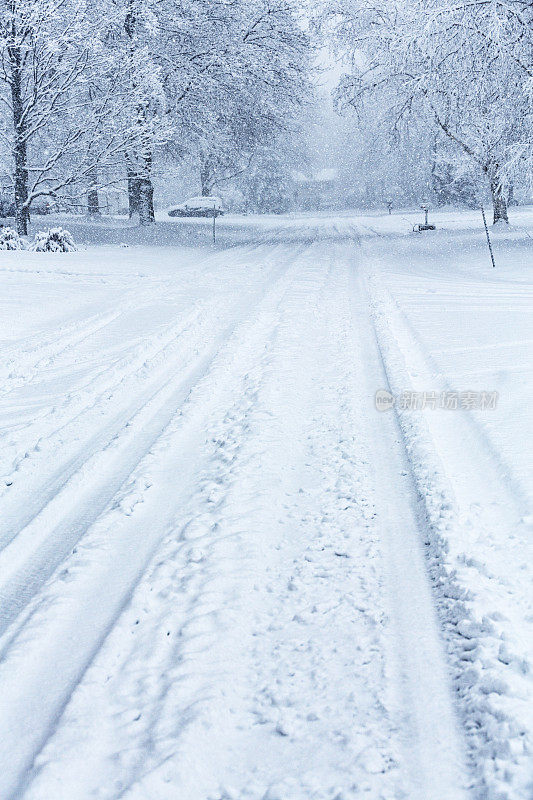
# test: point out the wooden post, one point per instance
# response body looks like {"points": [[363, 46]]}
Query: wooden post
{"points": [[214, 223], [488, 237]]}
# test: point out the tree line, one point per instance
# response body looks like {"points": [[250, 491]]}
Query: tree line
{"points": [[458, 73], [106, 93], [95, 91]]}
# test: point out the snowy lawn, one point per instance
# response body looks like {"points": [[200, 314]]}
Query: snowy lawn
{"points": [[223, 573], [474, 323]]}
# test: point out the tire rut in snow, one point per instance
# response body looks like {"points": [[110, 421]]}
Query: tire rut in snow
{"points": [[85, 596], [41, 530], [488, 655], [253, 659]]}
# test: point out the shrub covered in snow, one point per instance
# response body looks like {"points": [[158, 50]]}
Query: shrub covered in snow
{"points": [[10, 240], [54, 240]]}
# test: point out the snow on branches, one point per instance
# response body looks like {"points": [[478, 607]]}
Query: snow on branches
{"points": [[95, 89], [465, 67]]}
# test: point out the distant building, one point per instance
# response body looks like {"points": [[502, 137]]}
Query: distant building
{"points": [[317, 190]]}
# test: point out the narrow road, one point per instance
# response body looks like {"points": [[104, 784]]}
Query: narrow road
{"points": [[216, 585]]}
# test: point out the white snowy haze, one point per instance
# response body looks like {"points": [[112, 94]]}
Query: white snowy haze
{"points": [[266, 400]]}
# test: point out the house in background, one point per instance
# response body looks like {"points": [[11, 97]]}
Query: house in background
{"points": [[316, 191]]}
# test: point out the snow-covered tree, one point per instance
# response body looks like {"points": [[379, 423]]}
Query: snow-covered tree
{"points": [[217, 77], [235, 75], [141, 79], [464, 65], [267, 185], [95, 89], [66, 117], [40, 62]]}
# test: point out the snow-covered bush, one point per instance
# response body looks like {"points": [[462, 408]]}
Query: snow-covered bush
{"points": [[10, 240], [54, 240]]}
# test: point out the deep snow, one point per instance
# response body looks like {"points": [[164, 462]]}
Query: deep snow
{"points": [[223, 572]]}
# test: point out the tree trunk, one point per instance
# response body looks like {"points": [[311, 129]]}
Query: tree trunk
{"points": [[93, 204], [146, 193], [499, 202], [22, 214], [140, 187], [141, 193], [146, 202], [206, 178], [20, 153], [134, 196], [435, 180]]}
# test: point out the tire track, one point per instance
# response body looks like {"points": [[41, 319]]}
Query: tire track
{"points": [[488, 649], [297, 499], [43, 659], [39, 533], [16, 374], [35, 478]]}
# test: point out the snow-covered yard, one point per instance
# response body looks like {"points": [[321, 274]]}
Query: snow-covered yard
{"points": [[224, 574]]}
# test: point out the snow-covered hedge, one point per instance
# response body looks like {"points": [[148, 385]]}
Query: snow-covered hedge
{"points": [[54, 240], [10, 240]]}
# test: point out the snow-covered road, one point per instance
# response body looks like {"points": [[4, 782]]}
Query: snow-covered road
{"points": [[224, 574]]}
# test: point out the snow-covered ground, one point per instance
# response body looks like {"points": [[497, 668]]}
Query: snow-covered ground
{"points": [[224, 574]]}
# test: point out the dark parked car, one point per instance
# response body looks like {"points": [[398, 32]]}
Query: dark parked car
{"points": [[198, 207]]}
